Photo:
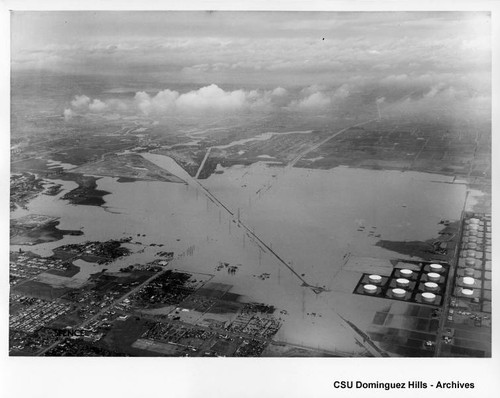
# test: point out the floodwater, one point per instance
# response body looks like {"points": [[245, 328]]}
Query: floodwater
{"points": [[311, 218], [315, 217]]}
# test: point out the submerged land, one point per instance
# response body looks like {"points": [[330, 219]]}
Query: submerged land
{"points": [[244, 236]]}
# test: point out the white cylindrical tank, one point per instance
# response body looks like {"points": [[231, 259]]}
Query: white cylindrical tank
{"points": [[436, 268], [406, 273], [428, 297], [370, 289], [375, 279], [433, 277], [431, 286], [399, 293], [467, 292], [469, 272], [402, 282], [467, 280]]}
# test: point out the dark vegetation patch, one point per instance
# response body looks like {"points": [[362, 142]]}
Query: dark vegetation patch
{"points": [[441, 248], [34, 234], [86, 193], [39, 289], [123, 334]]}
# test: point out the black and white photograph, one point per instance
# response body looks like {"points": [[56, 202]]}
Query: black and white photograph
{"points": [[275, 183]]}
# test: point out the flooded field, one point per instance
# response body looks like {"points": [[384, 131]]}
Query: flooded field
{"points": [[323, 224], [317, 216]]}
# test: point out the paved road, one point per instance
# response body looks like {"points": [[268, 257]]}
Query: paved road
{"points": [[449, 287], [317, 145], [203, 163]]}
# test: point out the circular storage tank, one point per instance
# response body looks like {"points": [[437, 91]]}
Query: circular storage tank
{"points": [[469, 272], [433, 277], [431, 286], [471, 254], [406, 272], [467, 280], [436, 268], [428, 297], [375, 279], [467, 292], [399, 293], [402, 282], [471, 245], [473, 239], [473, 221], [370, 289]]}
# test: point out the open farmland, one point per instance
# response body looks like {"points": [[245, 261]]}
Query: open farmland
{"points": [[127, 167]]}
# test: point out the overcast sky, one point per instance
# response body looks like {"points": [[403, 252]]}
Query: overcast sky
{"points": [[446, 56], [271, 47]]}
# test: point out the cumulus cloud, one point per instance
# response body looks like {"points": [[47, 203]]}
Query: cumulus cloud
{"points": [[279, 92], [213, 98], [419, 93], [163, 102], [80, 102], [210, 98], [443, 102], [84, 104], [97, 106], [312, 89], [316, 101], [316, 98], [439, 100], [68, 114]]}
